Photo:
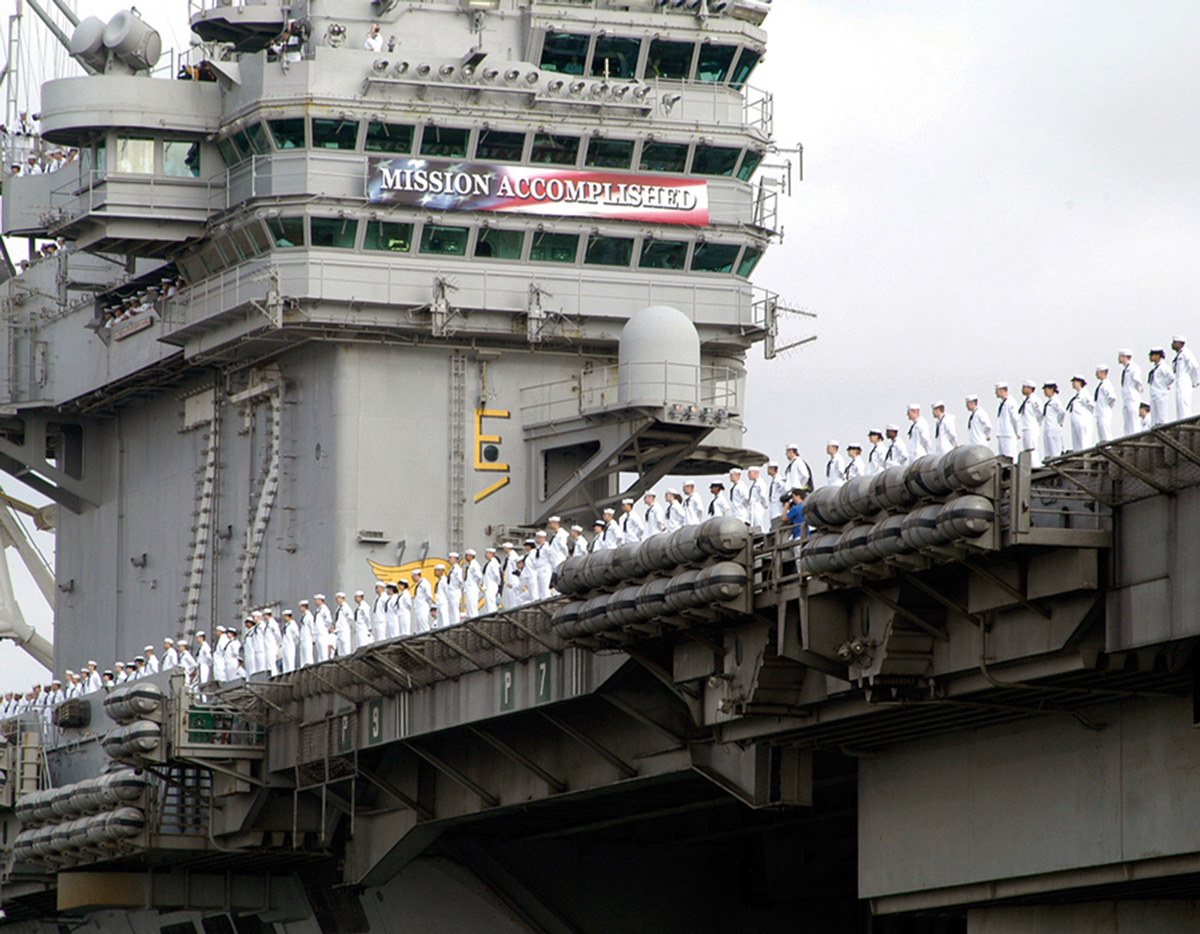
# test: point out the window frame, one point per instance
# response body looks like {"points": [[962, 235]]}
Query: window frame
{"points": [[437, 128], [481, 233], [525, 145], [427, 226]]}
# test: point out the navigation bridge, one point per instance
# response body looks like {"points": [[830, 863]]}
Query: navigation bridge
{"points": [[983, 663]]}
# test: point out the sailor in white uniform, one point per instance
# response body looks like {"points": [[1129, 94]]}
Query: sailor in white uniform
{"points": [[492, 580], [151, 660], [218, 654], [611, 536], [1104, 403], [557, 537], [252, 648], [1053, 416], [379, 611], [776, 492], [119, 674], [1029, 416], [796, 475], [1187, 376], [391, 612], [693, 509], [92, 679], [325, 638], [653, 521], [855, 465], [1160, 379], [308, 635], [234, 667], [632, 529], [272, 640], [187, 661], [404, 608], [1131, 390], [473, 582], [979, 426], [876, 453], [1145, 419], [514, 586], [918, 432], [291, 643], [363, 633], [441, 597], [170, 657], [719, 504], [454, 579], [204, 658], [756, 489], [542, 568], [835, 467], [1081, 415], [343, 626], [577, 545], [739, 496], [673, 512], [422, 602], [1008, 425], [895, 453], [945, 430]]}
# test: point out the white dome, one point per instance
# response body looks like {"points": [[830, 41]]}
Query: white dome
{"points": [[659, 358]]}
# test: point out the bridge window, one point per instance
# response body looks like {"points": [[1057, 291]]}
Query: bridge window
{"points": [[500, 146], [334, 231], [615, 57], [608, 251], [564, 53], [715, 257], [444, 241], [334, 134], [745, 64], [250, 240], [181, 158], [609, 154], [389, 137], [554, 247], [135, 155], [385, 235], [664, 157], [749, 163], [286, 231], [663, 254], [288, 134], [712, 67], [444, 141], [670, 59], [715, 160], [260, 143], [554, 150], [499, 244], [750, 259]]}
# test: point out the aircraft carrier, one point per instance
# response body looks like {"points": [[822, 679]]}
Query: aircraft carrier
{"points": [[334, 302]]}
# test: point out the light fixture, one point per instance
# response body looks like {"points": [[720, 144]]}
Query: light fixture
{"points": [[512, 75], [446, 71], [468, 71], [423, 69], [380, 65], [401, 68], [531, 77], [555, 86], [577, 88], [640, 93], [597, 91], [620, 92], [489, 74]]}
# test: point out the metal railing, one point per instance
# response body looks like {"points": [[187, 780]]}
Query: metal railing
{"points": [[92, 191]]}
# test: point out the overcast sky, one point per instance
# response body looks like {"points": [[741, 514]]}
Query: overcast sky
{"points": [[991, 191]]}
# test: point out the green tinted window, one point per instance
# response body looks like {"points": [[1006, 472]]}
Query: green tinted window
{"points": [[334, 231], [259, 141], [446, 241], [287, 231], [500, 146], [609, 154], [389, 137], [135, 155], [750, 259], [749, 164], [448, 142], [554, 247], [241, 144], [246, 244], [499, 244], [746, 62], [384, 235], [608, 251], [564, 53], [615, 57], [670, 59], [713, 64], [288, 134], [715, 257], [715, 160], [258, 236], [554, 150], [664, 157], [663, 254], [181, 158], [334, 134]]}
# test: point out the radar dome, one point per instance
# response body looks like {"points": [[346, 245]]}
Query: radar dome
{"points": [[132, 41], [659, 358]]}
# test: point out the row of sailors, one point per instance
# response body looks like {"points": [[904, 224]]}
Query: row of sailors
{"points": [[1046, 427], [144, 302]]}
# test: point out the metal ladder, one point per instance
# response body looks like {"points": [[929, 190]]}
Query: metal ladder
{"points": [[458, 454]]}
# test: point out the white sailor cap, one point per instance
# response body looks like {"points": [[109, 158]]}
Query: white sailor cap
{"points": [[938, 405], [340, 593], [267, 611], [139, 658], [625, 502], [1030, 383], [608, 509], [833, 442], [287, 612], [793, 447], [303, 602], [257, 614], [673, 491], [1158, 350], [1101, 367], [651, 494], [70, 671], [167, 640], [1002, 385], [870, 431], [1078, 378], [598, 522], [893, 427], [972, 398], [416, 572], [1180, 338], [914, 405], [359, 593], [687, 483], [577, 528], [92, 661], [752, 467], [1124, 352], [56, 681], [117, 664], [735, 469], [555, 519], [379, 583], [145, 648], [776, 463], [455, 554], [318, 596], [470, 553], [491, 548], [529, 541], [540, 533], [508, 545], [201, 634]]}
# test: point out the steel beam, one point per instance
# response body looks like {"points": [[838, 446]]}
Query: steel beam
{"points": [[454, 775]]}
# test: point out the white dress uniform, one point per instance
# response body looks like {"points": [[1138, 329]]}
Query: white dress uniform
{"points": [[1187, 378], [187, 661], [875, 463], [1131, 396], [391, 614], [308, 637], [170, 659], [379, 614], [775, 494], [492, 581], [653, 520], [739, 500], [204, 662], [1053, 416], [632, 529], [896, 454], [611, 537], [979, 427], [945, 435], [455, 576], [835, 469], [233, 659], [760, 508], [325, 639], [1029, 416], [673, 516], [151, 662], [343, 630], [272, 644], [441, 600], [693, 510], [855, 468], [363, 634], [1104, 402], [558, 546], [719, 506], [918, 437], [473, 587], [291, 646], [251, 641], [1008, 429], [1160, 379], [217, 658], [1081, 413], [422, 604], [540, 572], [404, 606]]}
